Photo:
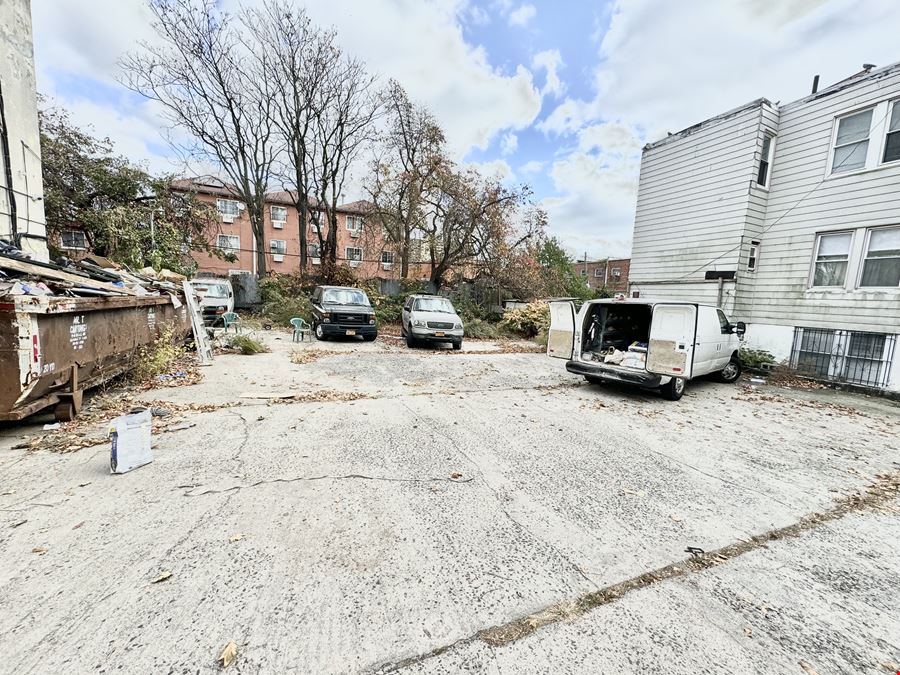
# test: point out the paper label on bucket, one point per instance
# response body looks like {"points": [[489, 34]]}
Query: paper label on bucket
{"points": [[130, 442]]}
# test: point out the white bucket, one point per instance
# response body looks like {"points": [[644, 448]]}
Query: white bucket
{"points": [[130, 436]]}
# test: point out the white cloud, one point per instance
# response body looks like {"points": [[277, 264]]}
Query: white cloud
{"points": [[522, 15], [609, 137], [550, 61], [509, 143], [472, 100], [497, 168], [532, 166]]}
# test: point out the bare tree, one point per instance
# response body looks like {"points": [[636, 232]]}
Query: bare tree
{"points": [[325, 106], [468, 215], [200, 72], [411, 152]]}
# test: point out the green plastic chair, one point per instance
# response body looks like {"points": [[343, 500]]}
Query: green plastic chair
{"points": [[231, 319], [301, 328]]}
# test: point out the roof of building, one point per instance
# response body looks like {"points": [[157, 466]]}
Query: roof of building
{"points": [[866, 74]]}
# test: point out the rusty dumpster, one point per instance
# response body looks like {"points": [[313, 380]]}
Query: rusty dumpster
{"points": [[54, 348]]}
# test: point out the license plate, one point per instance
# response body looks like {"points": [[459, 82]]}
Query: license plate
{"points": [[351, 332], [439, 333]]}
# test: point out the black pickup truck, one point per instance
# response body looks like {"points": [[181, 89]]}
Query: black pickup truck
{"points": [[340, 310]]}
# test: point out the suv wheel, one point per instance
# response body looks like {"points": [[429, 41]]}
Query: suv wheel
{"points": [[673, 389]]}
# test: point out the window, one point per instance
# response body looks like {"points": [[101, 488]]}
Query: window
{"points": [[278, 247], [354, 223], [753, 256], [584, 272], [724, 323], [74, 240], [765, 161], [387, 257], [832, 255], [892, 142], [354, 255], [279, 216], [228, 207], [229, 243], [314, 251], [616, 272], [851, 145], [844, 356], [881, 266], [598, 273]]}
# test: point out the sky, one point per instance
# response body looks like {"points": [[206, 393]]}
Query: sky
{"points": [[559, 94]]}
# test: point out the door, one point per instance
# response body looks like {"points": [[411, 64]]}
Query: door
{"points": [[673, 331], [709, 346], [561, 336], [404, 315]]}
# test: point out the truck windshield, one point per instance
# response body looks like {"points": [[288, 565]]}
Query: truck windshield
{"points": [[345, 296], [434, 305], [212, 290]]}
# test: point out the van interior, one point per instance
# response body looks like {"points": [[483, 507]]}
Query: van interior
{"points": [[617, 334]]}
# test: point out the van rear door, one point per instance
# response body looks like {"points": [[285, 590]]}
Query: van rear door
{"points": [[673, 332], [561, 336]]}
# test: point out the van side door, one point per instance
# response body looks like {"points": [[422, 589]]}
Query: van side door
{"points": [[673, 332], [561, 335]]}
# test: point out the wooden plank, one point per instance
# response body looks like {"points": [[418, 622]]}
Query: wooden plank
{"points": [[50, 273]]}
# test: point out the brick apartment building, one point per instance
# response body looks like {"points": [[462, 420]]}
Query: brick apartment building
{"points": [[360, 247], [609, 273]]}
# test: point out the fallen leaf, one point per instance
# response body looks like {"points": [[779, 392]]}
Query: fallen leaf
{"points": [[748, 631], [228, 655], [235, 537], [19, 522], [162, 577], [40, 550], [455, 475], [75, 527], [808, 668], [676, 519]]}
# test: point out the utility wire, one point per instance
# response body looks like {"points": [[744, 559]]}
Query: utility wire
{"points": [[777, 220]]}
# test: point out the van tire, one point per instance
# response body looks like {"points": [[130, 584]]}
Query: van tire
{"points": [[410, 340], [320, 333], [673, 389], [731, 372]]}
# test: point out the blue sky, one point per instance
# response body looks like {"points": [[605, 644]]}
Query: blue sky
{"points": [[560, 95]]}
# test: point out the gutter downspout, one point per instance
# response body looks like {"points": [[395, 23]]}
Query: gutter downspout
{"points": [[4, 148]]}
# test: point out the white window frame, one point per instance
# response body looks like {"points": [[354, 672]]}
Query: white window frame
{"points": [[767, 159], [278, 223], [815, 258], [355, 219], [315, 259], [387, 263], [229, 249], [892, 105], [598, 272], [583, 273], [753, 255], [63, 246], [354, 262], [864, 255], [221, 202], [616, 272], [278, 255], [877, 138]]}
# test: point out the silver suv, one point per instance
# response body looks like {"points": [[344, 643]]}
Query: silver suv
{"points": [[430, 318]]}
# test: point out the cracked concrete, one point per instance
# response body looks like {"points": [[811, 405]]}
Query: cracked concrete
{"points": [[360, 550]]}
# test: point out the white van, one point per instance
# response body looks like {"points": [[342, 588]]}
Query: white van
{"points": [[647, 343]]}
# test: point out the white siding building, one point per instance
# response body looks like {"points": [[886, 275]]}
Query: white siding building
{"points": [[789, 216], [21, 183]]}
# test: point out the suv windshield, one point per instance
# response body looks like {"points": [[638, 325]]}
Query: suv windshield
{"points": [[345, 296], [212, 290], [434, 305]]}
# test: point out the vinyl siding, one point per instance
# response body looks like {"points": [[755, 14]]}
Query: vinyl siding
{"points": [[695, 200], [805, 200]]}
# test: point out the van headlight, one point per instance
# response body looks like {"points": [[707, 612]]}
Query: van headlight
{"points": [[457, 326], [326, 318], [419, 323]]}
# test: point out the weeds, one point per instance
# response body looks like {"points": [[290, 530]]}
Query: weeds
{"points": [[247, 345], [158, 357]]}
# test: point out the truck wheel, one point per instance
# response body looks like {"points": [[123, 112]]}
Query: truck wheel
{"points": [[731, 372], [320, 333], [410, 340], [673, 389], [457, 345]]}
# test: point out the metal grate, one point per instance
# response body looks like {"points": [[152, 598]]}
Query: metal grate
{"points": [[844, 356]]}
